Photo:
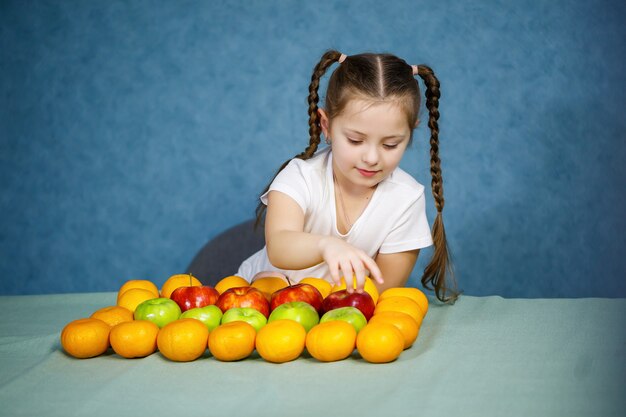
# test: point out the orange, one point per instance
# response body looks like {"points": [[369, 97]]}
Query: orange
{"points": [[323, 286], [402, 304], [176, 281], [281, 341], [85, 338], [268, 285], [232, 341], [231, 282], [369, 287], [380, 342], [134, 339], [183, 340], [413, 293], [133, 297], [138, 283], [113, 315], [331, 341], [405, 323]]}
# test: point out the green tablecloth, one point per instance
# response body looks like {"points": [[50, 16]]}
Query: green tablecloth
{"points": [[484, 356]]}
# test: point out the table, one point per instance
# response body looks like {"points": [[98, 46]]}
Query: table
{"points": [[484, 356]]}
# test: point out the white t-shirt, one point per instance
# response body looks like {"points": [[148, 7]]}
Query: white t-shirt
{"points": [[393, 221]]}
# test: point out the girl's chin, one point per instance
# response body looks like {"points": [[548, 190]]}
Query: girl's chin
{"points": [[368, 182]]}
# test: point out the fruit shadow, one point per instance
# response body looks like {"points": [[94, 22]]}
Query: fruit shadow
{"points": [[309, 358], [58, 348], [305, 355]]}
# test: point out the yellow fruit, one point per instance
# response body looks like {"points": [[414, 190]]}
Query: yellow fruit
{"points": [[230, 282], [133, 297], [402, 304], [323, 286], [85, 338], [113, 315], [281, 341], [413, 293], [405, 323], [183, 340], [138, 283], [232, 341], [380, 342], [331, 341], [369, 287], [177, 281], [268, 285], [134, 339]]}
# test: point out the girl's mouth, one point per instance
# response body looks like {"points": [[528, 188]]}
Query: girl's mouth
{"points": [[366, 173]]}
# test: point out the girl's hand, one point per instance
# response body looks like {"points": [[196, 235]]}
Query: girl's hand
{"points": [[352, 262]]}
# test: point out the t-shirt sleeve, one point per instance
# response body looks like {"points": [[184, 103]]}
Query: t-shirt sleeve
{"points": [[292, 180], [410, 231]]}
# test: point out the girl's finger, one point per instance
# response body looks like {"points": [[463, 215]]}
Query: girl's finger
{"points": [[374, 270], [346, 269], [334, 273], [359, 275]]}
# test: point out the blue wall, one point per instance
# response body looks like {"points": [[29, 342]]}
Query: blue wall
{"points": [[133, 132]]}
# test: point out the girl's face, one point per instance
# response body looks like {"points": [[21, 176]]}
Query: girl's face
{"points": [[368, 141]]}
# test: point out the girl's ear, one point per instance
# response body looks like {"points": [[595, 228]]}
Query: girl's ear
{"points": [[324, 123], [417, 123]]}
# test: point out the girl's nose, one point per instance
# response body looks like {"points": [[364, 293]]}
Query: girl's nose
{"points": [[370, 155]]}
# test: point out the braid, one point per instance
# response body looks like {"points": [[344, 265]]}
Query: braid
{"points": [[439, 266], [315, 130], [329, 58]]}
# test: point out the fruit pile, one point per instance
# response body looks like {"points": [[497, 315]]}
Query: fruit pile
{"points": [[235, 317]]}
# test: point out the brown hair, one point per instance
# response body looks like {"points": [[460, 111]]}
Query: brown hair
{"points": [[378, 77]]}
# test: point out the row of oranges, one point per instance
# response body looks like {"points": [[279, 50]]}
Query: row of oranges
{"points": [[393, 328]]}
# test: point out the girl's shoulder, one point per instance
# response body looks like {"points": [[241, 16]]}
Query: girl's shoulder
{"points": [[311, 171], [306, 181], [317, 163]]}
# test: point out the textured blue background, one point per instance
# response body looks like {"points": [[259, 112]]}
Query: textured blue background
{"points": [[133, 132]]}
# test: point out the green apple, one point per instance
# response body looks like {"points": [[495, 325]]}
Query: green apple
{"points": [[350, 314], [248, 314], [211, 315], [160, 311], [303, 313]]}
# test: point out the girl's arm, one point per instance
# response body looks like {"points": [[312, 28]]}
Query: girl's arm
{"points": [[289, 247], [396, 267]]}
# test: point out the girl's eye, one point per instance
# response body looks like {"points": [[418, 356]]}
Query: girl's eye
{"points": [[354, 141], [388, 146]]}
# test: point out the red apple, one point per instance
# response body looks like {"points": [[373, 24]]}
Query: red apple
{"points": [[243, 297], [297, 292], [361, 300], [194, 297]]}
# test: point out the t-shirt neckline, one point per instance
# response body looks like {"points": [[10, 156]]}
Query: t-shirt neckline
{"points": [[333, 206]]}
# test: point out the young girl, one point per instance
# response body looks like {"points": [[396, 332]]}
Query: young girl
{"points": [[349, 210]]}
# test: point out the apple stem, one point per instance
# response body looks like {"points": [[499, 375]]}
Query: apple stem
{"points": [[288, 281]]}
